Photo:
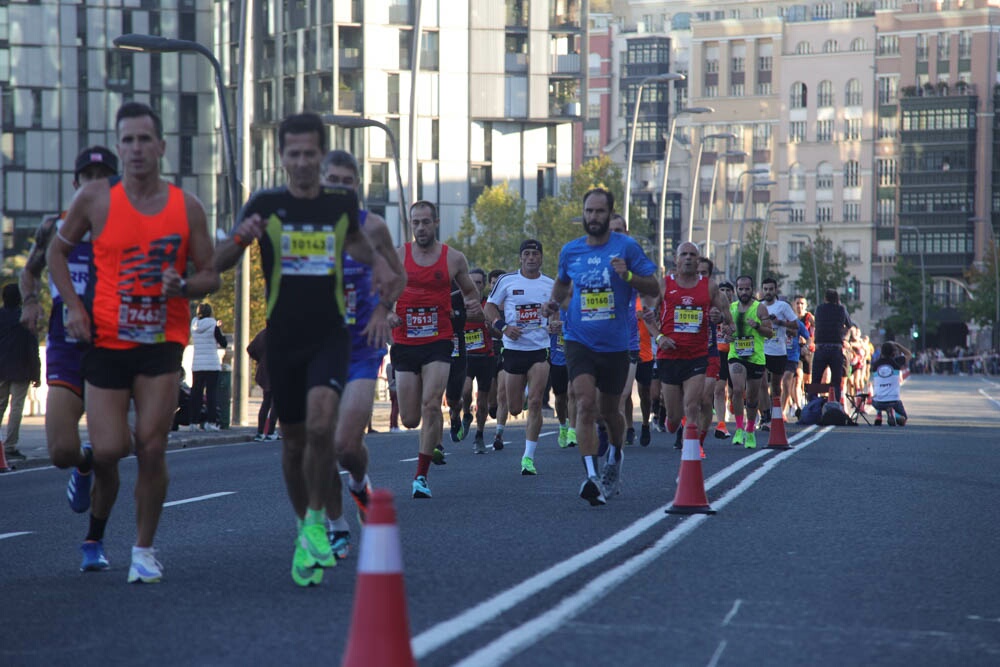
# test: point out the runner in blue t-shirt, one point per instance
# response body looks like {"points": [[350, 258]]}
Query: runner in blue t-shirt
{"points": [[597, 274]]}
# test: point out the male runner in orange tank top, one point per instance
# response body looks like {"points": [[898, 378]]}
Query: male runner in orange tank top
{"points": [[144, 231]]}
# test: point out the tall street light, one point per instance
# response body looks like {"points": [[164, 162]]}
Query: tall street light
{"points": [[739, 254], [241, 313], [923, 284], [666, 170], [812, 252], [757, 171], [711, 196], [665, 77], [696, 178], [996, 271], [355, 122], [773, 207]]}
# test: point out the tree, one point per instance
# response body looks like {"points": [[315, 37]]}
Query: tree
{"points": [[904, 299], [982, 281], [492, 230], [831, 271], [751, 249], [223, 300]]}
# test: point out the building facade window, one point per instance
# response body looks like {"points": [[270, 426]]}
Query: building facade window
{"points": [[851, 174], [824, 94], [797, 131], [763, 87], [888, 45], [796, 178], [887, 89], [824, 131], [761, 137], [799, 95], [853, 94], [886, 170], [852, 211], [824, 176], [852, 129], [824, 213]]}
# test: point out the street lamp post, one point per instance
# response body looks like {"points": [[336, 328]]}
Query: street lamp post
{"points": [[773, 207], [241, 314], [663, 187], [665, 77], [696, 177], [812, 252], [757, 171], [743, 222], [354, 122], [711, 197], [923, 284]]}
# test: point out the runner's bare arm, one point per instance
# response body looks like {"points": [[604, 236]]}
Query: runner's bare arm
{"points": [[765, 328], [205, 278], [459, 266], [228, 252], [31, 310], [381, 240], [720, 302], [561, 292]]}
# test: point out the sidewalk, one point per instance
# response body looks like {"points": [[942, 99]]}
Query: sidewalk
{"points": [[32, 442]]}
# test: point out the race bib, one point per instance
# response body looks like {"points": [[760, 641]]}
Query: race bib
{"points": [[351, 304], [529, 316], [65, 316], [142, 319], [308, 253], [744, 346], [456, 351], [421, 322], [475, 340], [687, 319], [597, 304]]}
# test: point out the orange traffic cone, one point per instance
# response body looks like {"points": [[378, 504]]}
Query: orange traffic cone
{"points": [[3, 461], [690, 497], [380, 629], [777, 439]]}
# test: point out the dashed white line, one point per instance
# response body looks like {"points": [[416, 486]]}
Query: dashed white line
{"points": [[718, 653], [4, 536], [732, 612], [198, 498]]}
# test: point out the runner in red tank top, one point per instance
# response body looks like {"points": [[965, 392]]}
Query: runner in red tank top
{"points": [[421, 350], [144, 232], [681, 335]]}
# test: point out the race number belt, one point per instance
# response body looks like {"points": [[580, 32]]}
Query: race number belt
{"points": [[308, 252], [529, 316], [597, 304], [351, 304], [475, 340], [744, 346], [142, 319], [687, 319], [421, 322]]}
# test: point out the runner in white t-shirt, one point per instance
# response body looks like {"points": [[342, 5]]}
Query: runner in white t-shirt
{"points": [[514, 307], [783, 321]]}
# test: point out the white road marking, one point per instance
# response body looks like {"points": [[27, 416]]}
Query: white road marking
{"points": [[474, 617], [4, 536], [718, 653], [198, 498], [989, 398], [732, 612]]}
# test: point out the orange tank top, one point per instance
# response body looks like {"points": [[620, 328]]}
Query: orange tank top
{"points": [[645, 340], [130, 256]]}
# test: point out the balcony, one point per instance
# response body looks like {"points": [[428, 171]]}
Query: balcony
{"points": [[349, 58], [515, 62], [938, 177], [565, 14], [517, 13], [350, 100], [942, 89], [566, 64]]}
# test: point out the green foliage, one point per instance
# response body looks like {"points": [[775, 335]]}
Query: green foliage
{"points": [[983, 283], [751, 250], [223, 300], [906, 303], [492, 231], [831, 271]]}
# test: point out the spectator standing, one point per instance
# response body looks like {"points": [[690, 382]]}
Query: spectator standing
{"points": [[206, 341], [19, 366], [266, 418], [832, 325]]}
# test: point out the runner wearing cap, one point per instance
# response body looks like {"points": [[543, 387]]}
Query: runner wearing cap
{"points": [[64, 400], [514, 308]]}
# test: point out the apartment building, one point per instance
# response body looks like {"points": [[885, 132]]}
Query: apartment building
{"points": [[498, 92], [61, 82]]}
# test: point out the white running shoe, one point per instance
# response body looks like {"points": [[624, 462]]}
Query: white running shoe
{"points": [[145, 568]]}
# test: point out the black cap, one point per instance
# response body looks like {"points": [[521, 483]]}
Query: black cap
{"points": [[727, 285], [95, 155], [530, 244]]}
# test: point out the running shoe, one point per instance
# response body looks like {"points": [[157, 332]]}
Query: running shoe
{"points": [[591, 491], [750, 440], [437, 457], [528, 466], [395, 429], [629, 436], [15, 455], [498, 443], [78, 488], [602, 438], [890, 417], [145, 568], [93, 557], [611, 479], [304, 569], [721, 432], [679, 440], [313, 539], [701, 449], [739, 436], [466, 426], [660, 426], [764, 426], [645, 437], [571, 438], [420, 488], [878, 421], [563, 437], [212, 427], [478, 446], [456, 429], [340, 543], [361, 499], [260, 437]]}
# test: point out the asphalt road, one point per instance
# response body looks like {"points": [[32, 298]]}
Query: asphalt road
{"points": [[859, 546]]}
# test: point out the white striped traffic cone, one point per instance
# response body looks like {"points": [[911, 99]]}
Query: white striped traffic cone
{"points": [[690, 497]]}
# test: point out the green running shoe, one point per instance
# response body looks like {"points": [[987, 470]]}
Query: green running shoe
{"points": [[314, 540], [739, 436], [437, 456], [750, 441], [304, 570], [563, 437], [571, 437], [528, 466]]}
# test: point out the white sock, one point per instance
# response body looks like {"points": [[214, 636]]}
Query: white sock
{"points": [[588, 461], [339, 524], [613, 454], [355, 486], [529, 448], [141, 550]]}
